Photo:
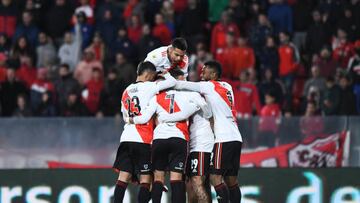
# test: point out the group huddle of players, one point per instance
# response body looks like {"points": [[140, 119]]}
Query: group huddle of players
{"points": [[178, 126]]}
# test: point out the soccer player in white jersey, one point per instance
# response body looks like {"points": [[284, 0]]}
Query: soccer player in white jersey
{"points": [[169, 148], [169, 57], [133, 155], [201, 145], [228, 141]]}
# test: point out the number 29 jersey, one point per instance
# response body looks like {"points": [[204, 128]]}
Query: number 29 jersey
{"points": [[134, 99]]}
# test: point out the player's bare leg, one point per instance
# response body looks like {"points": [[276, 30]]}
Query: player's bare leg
{"points": [[144, 194], [121, 185], [199, 188], [177, 187], [234, 190], [220, 188], [158, 186], [191, 196]]}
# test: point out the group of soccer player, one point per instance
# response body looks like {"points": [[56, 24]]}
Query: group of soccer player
{"points": [[178, 126]]}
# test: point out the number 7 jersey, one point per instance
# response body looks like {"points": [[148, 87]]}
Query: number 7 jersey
{"points": [[134, 99]]}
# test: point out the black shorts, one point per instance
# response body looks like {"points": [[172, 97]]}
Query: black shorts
{"points": [[225, 159], [134, 158], [169, 154], [198, 164]]}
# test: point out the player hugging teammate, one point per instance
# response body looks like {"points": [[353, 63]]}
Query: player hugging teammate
{"points": [[166, 117]]}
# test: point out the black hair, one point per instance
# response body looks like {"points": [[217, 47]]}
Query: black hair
{"points": [[179, 43], [145, 66], [176, 72], [214, 65], [65, 65]]}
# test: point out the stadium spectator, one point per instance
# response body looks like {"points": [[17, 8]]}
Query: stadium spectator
{"points": [[10, 89], [147, 42], [86, 29], [111, 94], [98, 47], [354, 71], [349, 24], [86, 8], [134, 29], [301, 21], [216, 8], [41, 85], [269, 121], [27, 28], [46, 107], [197, 61], [311, 123], [3, 59], [45, 51], [347, 104], [73, 106], [22, 48], [331, 99], [133, 7], [70, 50], [269, 57], [65, 84], [4, 44], [26, 72], [270, 84], [124, 45], [161, 30], [83, 70], [343, 49], [246, 96], [280, 16], [22, 109], [316, 81], [325, 62], [318, 34], [288, 61], [259, 32], [238, 10], [167, 11], [219, 32], [107, 26], [193, 32], [8, 17], [236, 58], [91, 95], [57, 19], [125, 70], [108, 6]]}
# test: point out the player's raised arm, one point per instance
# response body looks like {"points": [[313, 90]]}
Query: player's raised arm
{"points": [[146, 114], [200, 101], [169, 82], [179, 116]]}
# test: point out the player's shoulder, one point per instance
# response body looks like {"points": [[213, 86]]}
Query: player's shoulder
{"points": [[158, 53]]}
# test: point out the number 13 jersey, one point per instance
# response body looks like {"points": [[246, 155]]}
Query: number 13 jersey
{"points": [[134, 99]]}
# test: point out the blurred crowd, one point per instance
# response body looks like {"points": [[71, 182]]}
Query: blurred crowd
{"points": [[282, 57]]}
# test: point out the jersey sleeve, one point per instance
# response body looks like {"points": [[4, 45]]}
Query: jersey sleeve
{"points": [[147, 113], [184, 114], [153, 58], [205, 108], [169, 81], [200, 87]]}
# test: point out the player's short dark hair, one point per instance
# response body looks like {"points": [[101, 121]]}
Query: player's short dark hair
{"points": [[179, 43], [215, 66], [65, 65], [176, 72], [145, 66]]}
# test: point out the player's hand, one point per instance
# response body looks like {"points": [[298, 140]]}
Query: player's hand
{"points": [[163, 73]]}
